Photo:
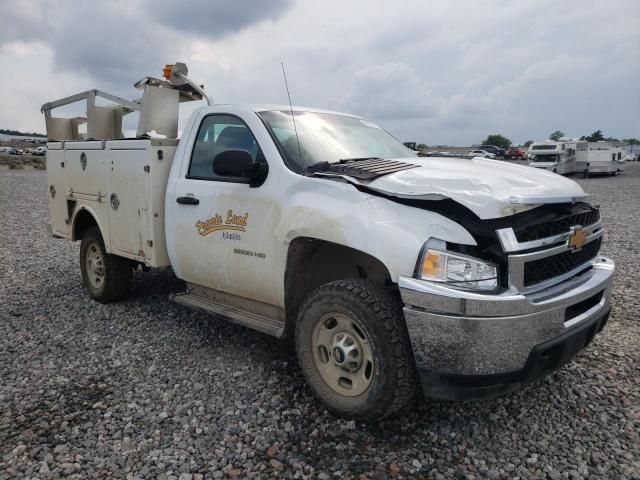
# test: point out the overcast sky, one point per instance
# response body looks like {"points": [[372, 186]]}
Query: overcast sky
{"points": [[438, 72]]}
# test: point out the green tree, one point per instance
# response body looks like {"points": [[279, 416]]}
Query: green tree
{"points": [[594, 137], [528, 143], [631, 141], [497, 140], [421, 146], [557, 135]]}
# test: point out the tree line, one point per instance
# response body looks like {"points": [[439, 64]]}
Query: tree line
{"points": [[503, 142], [596, 136], [24, 134]]}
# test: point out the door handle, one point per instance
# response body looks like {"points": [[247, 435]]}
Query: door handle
{"points": [[188, 200]]}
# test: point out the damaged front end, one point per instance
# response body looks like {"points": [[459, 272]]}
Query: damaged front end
{"points": [[553, 298], [531, 293]]}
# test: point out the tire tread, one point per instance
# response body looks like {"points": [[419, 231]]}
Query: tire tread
{"points": [[385, 307]]}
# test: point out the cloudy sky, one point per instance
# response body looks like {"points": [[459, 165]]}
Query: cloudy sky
{"points": [[438, 71]]}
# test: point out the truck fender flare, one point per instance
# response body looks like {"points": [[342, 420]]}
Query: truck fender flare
{"points": [[88, 210], [307, 269]]}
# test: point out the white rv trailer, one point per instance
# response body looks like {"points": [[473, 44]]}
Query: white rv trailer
{"points": [[558, 157], [600, 157], [582, 153]]}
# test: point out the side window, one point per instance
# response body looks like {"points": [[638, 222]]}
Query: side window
{"points": [[218, 134]]}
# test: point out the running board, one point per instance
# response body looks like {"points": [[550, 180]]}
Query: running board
{"points": [[251, 320]]}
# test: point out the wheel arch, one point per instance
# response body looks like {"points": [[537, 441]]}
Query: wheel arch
{"points": [[312, 262], [84, 218]]}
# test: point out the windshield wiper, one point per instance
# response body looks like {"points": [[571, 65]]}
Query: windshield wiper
{"points": [[324, 166], [359, 159], [318, 167], [361, 168]]}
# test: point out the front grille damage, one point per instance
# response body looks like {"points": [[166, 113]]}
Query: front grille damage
{"points": [[543, 269], [582, 215], [531, 221]]}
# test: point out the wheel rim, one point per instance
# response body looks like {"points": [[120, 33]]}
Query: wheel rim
{"points": [[342, 354], [94, 263]]}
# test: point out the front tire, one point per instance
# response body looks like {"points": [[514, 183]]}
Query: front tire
{"points": [[354, 351], [106, 277]]}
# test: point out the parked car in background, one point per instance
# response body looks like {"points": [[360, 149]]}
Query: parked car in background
{"points": [[39, 151], [482, 153], [497, 151], [515, 153]]}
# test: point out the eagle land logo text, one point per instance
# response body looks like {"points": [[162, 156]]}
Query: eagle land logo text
{"points": [[215, 223]]}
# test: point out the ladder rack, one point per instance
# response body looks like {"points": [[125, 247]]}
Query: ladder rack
{"points": [[158, 108]]}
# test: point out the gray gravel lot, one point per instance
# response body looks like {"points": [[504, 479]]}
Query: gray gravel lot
{"points": [[149, 389]]}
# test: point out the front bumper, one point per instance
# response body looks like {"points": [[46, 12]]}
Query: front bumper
{"points": [[469, 344]]}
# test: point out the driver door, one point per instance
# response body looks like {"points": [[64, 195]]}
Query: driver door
{"points": [[224, 235]]}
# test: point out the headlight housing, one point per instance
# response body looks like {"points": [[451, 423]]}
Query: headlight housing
{"points": [[459, 271]]}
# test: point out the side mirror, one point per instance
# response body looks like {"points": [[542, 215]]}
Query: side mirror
{"points": [[238, 163]]}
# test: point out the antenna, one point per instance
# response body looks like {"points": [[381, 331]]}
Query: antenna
{"points": [[293, 117]]}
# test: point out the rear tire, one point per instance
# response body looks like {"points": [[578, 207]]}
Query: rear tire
{"points": [[354, 351], [106, 277]]}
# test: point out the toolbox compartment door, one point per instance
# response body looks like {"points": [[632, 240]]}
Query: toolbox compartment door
{"points": [[127, 199], [57, 190], [84, 163]]}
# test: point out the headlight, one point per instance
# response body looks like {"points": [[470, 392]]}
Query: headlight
{"points": [[458, 270]]}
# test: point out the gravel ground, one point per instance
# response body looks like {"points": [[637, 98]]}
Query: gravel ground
{"points": [[149, 389]]}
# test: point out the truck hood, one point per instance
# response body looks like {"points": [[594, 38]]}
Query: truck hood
{"points": [[489, 188]]}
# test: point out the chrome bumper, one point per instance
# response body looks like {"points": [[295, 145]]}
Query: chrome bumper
{"points": [[465, 333]]}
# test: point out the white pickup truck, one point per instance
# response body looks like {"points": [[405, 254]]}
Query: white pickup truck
{"points": [[466, 277]]}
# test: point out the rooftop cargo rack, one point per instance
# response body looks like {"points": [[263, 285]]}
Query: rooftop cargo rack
{"points": [[158, 108]]}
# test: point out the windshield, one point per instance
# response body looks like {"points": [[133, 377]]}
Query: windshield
{"points": [[545, 158], [327, 137]]}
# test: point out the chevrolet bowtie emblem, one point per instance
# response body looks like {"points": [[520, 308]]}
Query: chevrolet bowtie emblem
{"points": [[577, 239]]}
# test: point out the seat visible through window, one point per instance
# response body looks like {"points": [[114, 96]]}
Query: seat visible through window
{"points": [[217, 134]]}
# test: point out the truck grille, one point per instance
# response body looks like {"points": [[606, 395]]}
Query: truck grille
{"points": [[543, 269], [558, 226]]}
